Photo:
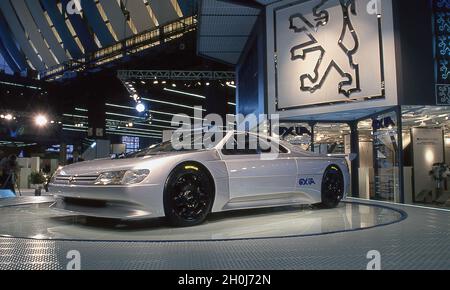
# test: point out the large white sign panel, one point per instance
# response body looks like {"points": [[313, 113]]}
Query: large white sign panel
{"points": [[428, 147], [327, 51], [329, 56]]}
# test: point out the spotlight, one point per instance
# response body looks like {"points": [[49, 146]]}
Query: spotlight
{"points": [[9, 117], [207, 84], [174, 85], [155, 82], [140, 107], [41, 120]]}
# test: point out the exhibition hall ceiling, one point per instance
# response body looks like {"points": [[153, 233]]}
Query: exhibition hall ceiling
{"points": [[41, 34], [426, 116], [224, 29]]}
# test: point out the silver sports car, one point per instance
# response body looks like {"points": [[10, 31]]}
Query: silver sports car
{"points": [[186, 185]]}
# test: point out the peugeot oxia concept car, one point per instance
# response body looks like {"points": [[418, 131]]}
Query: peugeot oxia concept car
{"points": [[186, 185]]}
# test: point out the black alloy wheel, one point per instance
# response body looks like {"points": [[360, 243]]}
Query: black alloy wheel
{"points": [[332, 187], [188, 196]]}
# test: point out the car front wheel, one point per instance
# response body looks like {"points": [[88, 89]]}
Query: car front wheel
{"points": [[188, 196]]}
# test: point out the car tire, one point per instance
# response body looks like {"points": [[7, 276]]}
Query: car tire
{"points": [[332, 187], [188, 195]]}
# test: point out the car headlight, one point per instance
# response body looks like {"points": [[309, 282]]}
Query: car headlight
{"points": [[124, 177], [57, 172]]}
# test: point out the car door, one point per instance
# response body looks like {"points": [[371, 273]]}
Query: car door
{"points": [[254, 172]]}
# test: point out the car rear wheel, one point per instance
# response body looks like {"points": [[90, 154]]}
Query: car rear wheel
{"points": [[332, 187], [188, 196]]}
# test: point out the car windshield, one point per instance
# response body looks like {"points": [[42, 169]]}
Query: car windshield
{"points": [[167, 147]]}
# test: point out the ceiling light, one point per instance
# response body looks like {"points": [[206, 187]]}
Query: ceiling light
{"points": [[173, 104], [231, 85], [41, 120], [185, 93], [140, 107]]}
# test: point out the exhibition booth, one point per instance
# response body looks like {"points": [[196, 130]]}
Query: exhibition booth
{"points": [[343, 78], [422, 155]]}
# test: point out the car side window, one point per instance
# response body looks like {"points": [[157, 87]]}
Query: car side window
{"points": [[240, 144], [265, 146]]}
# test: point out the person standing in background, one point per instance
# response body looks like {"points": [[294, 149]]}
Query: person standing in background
{"points": [[2, 177], [10, 169]]}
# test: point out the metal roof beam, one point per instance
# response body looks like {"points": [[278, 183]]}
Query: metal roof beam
{"points": [[19, 34], [164, 10], [33, 32], [38, 14], [140, 16], [117, 19], [126, 75]]}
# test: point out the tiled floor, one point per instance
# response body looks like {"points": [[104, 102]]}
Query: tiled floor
{"points": [[406, 237]]}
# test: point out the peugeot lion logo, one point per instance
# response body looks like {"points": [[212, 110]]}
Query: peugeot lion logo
{"points": [[349, 71], [71, 180]]}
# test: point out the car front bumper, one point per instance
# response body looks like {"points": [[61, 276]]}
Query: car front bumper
{"points": [[117, 202]]}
